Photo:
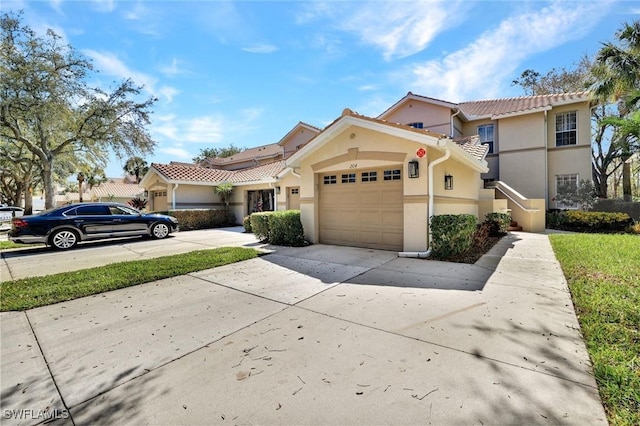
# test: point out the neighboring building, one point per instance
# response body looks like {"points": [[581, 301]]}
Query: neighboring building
{"points": [[120, 190], [374, 182]]}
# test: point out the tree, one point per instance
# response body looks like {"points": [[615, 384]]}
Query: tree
{"points": [[617, 80], [48, 107], [555, 81], [583, 195], [205, 153], [137, 167], [224, 190]]}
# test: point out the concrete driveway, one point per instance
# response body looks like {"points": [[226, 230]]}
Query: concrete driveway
{"points": [[39, 260], [315, 335]]}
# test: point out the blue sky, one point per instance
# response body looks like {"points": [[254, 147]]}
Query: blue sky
{"points": [[246, 72]]}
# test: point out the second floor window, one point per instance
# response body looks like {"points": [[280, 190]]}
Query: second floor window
{"points": [[486, 136], [566, 128]]}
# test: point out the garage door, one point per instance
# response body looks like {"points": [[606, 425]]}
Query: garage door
{"points": [[362, 208]]}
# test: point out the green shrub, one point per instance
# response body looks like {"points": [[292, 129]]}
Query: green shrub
{"points": [[189, 220], [452, 234], [582, 221], [246, 222], [598, 221], [260, 225], [498, 223], [285, 228]]}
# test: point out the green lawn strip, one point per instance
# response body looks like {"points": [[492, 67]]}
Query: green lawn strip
{"points": [[4, 245], [603, 272], [41, 291]]}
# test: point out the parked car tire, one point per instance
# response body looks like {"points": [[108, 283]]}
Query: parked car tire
{"points": [[160, 231], [64, 239]]}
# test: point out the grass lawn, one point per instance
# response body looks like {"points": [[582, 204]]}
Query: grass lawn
{"points": [[603, 272], [10, 245], [41, 291]]}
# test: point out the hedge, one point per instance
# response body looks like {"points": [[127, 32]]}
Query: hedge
{"points": [[581, 221], [283, 228], [452, 234], [498, 223], [189, 220]]}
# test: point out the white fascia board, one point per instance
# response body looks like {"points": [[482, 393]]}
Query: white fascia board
{"points": [[465, 158], [519, 113], [255, 182], [344, 123]]}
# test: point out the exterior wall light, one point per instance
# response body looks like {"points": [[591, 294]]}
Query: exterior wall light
{"points": [[448, 182], [278, 190], [414, 170]]}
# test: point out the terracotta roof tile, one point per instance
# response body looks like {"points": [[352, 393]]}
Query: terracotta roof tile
{"points": [[493, 107], [471, 144], [176, 172], [264, 151], [118, 190], [265, 171]]}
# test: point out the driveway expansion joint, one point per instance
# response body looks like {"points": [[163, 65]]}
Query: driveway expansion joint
{"points": [[46, 362]]}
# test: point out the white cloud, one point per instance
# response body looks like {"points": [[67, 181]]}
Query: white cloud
{"points": [[261, 48], [177, 153], [110, 64], [173, 69], [401, 29], [478, 70], [204, 129], [104, 5]]}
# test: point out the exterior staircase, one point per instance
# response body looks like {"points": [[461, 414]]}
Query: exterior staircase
{"points": [[513, 226]]}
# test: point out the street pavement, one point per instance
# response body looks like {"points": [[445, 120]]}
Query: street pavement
{"points": [[314, 335]]}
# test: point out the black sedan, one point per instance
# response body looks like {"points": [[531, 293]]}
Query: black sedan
{"points": [[63, 227]]}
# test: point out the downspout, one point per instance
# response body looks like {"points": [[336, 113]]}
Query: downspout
{"points": [[425, 254], [452, 135], [173, 196], [546, 159]]}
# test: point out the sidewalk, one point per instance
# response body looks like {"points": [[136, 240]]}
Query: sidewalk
{"points": [[315, 335]]}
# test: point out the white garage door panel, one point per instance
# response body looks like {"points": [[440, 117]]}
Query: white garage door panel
{"points": [[362, 214]]}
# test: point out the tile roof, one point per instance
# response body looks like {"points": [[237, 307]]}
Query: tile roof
{"points": [[264, 151], [265, 171], [179, 172], [496, 107], [118, 190], [471, 144]]}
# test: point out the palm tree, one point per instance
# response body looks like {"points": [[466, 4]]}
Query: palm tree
{"points": [[137, 167], [617, 73]]}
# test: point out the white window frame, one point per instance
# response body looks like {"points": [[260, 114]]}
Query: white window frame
{"points": [[484, 139], [567, 123], [570, 177]]}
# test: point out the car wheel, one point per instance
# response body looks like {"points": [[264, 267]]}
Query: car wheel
{"points": [[64, 239], [160, 231]]}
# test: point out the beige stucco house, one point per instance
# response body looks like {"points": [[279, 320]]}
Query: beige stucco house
{"points": [[375, 181]]}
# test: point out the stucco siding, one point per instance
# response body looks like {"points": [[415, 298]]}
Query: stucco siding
{"points": [[568, 160], [524, 171], [434, 117]]}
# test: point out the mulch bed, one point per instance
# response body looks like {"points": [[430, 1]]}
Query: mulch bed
{"points": [[474, 253]]}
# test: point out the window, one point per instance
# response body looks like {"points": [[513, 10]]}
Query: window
{"points": [[369, 176], [416, 125], [88, 211], [392, 174], [566, 181], [566, 125], [486, 136], [330, 180], [349, 178]]}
